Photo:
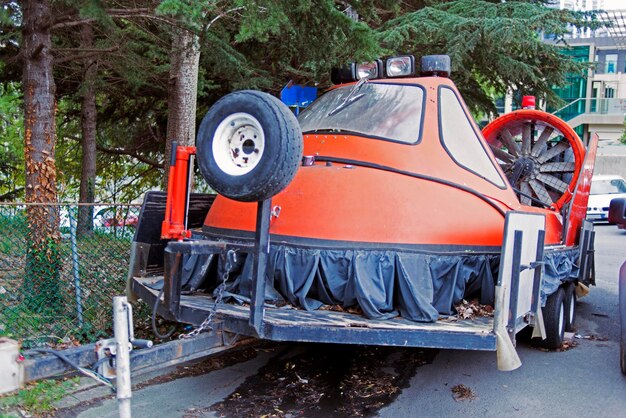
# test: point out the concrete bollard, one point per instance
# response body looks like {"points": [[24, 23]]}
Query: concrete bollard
{"points": [[11, 371]]}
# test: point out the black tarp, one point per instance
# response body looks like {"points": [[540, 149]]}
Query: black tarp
{"points": [[560, 266], [383, 283]]}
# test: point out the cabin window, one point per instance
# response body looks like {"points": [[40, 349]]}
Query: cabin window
{"points": [[460, 139], [376, 110]]}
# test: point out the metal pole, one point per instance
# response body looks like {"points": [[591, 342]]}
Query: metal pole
{"points": [[515, 279], [261, 254], [122, 356], [75, 272]]}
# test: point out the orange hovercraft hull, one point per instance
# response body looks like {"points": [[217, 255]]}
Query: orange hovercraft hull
{"points": [[390, 227], [348, 203]]}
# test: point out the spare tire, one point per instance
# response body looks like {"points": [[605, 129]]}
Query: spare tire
{"points": [[249, 146]]}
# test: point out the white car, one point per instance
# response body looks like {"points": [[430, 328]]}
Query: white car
{"points": [[604, 189]]}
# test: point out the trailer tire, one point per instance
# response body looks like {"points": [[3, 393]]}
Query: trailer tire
{"points": [[554, 319], [249, 146], [622, 357], [570, 306]]}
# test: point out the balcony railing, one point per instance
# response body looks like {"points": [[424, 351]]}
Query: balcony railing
{"points": [[592, 107]]}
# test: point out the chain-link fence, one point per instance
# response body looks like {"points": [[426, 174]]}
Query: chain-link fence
{"points": [[62, 292]]}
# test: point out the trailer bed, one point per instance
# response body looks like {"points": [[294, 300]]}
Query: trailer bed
{"points": [[291, 324]]}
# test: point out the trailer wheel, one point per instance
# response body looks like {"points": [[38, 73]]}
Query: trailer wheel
{"points": [[249, 146], [554, 319], [570, 306]]}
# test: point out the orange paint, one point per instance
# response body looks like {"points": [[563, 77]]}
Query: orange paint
{"points": [[173, 226], [359, 204], [578, 209]]}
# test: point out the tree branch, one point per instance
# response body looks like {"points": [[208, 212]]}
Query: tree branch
{"points": [[112, 49], [129, 11], [71, 23], [138, 176], [122, 151], [37, 51], [88, 54], [216, 18], [68, 20], [11, 194]]}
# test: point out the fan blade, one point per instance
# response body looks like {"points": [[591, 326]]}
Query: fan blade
{"points": [[553, 182], [564, 167], [542, 141], [507, 139], [553, 152], [526, 132], [501, 154], [525, 188], [541, 192]]}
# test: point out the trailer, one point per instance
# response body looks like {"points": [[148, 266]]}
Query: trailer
{"points": [[368, 219]]}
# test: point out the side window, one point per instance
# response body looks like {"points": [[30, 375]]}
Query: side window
{"points": [[460, 139]]}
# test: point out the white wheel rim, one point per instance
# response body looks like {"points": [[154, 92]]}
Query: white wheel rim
{"points": [[561, 317], [571, 309], [238, 144]]}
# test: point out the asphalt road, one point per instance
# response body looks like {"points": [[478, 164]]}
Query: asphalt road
{"points": [[321, 380]]}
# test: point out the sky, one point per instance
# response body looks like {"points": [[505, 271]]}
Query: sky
{"points": [[614, 4]]}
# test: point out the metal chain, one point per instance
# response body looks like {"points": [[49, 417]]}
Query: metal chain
{"points": [[231, 258]]}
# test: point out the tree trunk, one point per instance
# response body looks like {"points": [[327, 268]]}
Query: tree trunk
{"points": [[88, 126], [183, 92], [41, 279]]}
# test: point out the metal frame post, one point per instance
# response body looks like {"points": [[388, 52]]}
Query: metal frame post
{"points": [[261, 254], [172, 283], [590, 258], [78, 297], [541, 236], [122, 357], [515, 273]]}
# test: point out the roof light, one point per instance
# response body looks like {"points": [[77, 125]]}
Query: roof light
{"points": [[436, 65], [403, 66], [344, 74], [528, 102], [369, 70]]}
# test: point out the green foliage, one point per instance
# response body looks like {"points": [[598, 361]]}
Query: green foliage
{"points": [[188, 12], [11, 137], [44, 315], [493, 45], [43, 286], [39, 397], [623, 137]]}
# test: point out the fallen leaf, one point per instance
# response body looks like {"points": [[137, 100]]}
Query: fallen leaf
{"points": [[462, 393]]}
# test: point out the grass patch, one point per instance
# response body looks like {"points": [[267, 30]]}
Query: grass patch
{"points": [[37, 398]]}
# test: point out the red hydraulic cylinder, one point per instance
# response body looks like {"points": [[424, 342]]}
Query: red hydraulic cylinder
{"points": [[175, 223]]}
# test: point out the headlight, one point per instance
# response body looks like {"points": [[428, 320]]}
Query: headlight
{"points": [[370, 70], [403, 66]]}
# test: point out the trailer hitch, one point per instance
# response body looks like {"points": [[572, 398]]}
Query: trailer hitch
{"points": [[107, 350]]}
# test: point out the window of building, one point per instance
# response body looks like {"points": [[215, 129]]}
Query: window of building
{"points": [[610, 64], [460, 139]]}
